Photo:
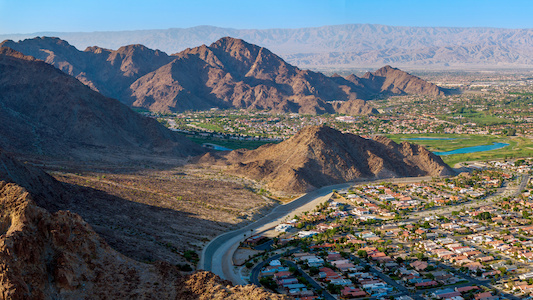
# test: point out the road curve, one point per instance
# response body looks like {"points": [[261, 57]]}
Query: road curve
{"points": [[217, 255]]}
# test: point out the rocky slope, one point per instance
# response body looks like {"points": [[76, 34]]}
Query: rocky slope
{"points": [[392, 81], [230, 73], [320, 156], [49, 113], [57, 255], [361, 45], [109, 72]]}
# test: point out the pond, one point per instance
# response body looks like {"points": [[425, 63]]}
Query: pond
{"points": [[473, 149]]}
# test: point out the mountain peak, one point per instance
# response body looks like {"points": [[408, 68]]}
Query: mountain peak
{"points": [[392, 80], [319, 155], [229, 41], [383, 71]]}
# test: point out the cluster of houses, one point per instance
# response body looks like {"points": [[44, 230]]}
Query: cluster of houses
{"points": [[464, 292], [340, 271], [286, 280], [449, 250]]}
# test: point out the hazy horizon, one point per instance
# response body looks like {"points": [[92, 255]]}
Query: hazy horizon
{"points": [[103, 16]]}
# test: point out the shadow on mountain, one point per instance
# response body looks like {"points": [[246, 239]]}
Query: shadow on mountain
{"points": [[140, 231]]}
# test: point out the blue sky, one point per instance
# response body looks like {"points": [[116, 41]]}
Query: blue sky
{"points": [[29, 16]]}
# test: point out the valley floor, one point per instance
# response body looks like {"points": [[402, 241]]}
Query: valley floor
{"points": [[166, 214]]}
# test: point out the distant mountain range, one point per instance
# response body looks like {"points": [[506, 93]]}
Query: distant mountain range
{"points": [[229, 73], [319, 155], [347, 46]]}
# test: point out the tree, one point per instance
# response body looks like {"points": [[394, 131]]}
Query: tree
{"points": [[362, 254], [269, 283], [484, 216], [399, 260]]}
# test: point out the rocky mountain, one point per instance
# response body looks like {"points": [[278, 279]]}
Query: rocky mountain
{"points": [[318, 156], [230, 73], [359, 45], [233, 73], [49, 113], [389, 80], [109, 72], [57, 255]]}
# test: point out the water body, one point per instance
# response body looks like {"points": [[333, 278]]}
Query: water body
{"points": [[429, 139], [215, 147], [481, 148]]}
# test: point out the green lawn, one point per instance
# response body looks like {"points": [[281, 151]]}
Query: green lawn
{"points": [[477, 117], [210, 127]]}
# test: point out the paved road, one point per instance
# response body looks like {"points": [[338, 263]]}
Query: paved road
{"points": [[477, 281], [317, 287], [217, 255], [395, 284]]}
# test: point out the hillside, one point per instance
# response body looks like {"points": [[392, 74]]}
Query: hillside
{"points": [[320, 156], [49, 113], [46, 255], [109, 72], [229, 73], [359, 45]]}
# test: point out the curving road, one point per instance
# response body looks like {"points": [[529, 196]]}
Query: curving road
{"points": [[217, 255]]}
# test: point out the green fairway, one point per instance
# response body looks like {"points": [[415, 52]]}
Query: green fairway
{"points": [[518, 146]]}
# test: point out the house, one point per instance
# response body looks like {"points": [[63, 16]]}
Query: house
{"points": [[287, 281], [255, 240], [283, 227], [466, 289], [483, 296], [282, 275], [426, 284], [341, 281], [419, 265], [490, 274], [352, 292]]}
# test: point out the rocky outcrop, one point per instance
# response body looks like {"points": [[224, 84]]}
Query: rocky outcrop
{"points": [[51, 114], [320, 156]]}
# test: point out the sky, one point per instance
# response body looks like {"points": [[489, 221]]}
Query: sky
{"points": [[30, 16]]}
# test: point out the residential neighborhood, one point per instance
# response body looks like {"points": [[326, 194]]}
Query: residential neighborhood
{"points": [[464, 237]]}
